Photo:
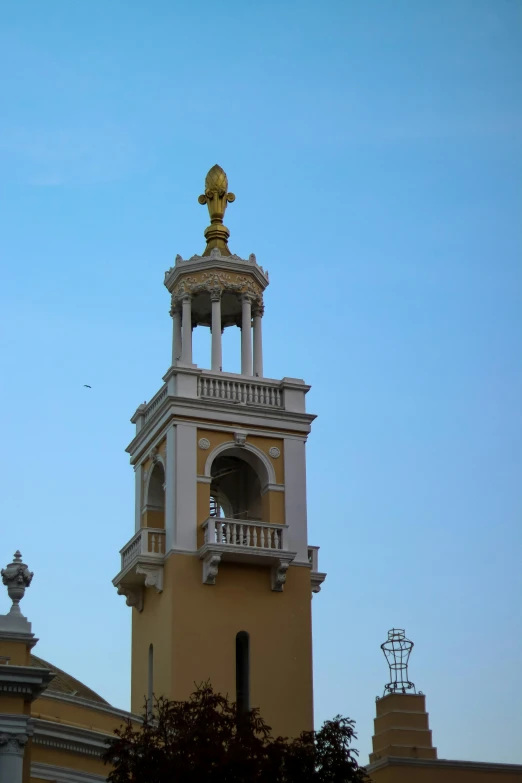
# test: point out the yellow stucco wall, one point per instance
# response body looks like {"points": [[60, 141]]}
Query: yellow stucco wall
{"points": [[18, 653], [193, 628], [72, 714], [67, 713]]}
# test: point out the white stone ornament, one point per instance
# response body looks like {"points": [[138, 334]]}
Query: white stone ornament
{"points": [[16, 577], [240, 438], [274, 452], [204, 443]]}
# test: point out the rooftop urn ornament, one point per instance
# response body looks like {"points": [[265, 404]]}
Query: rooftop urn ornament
{"points": [[16, 577], [216, 197], [397, 650]]}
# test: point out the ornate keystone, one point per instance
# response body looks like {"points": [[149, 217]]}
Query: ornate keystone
{"points": [[216, 197], [16, 577], [240, 438]]}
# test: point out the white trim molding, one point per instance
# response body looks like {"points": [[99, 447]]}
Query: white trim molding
{"points": [[245, 447], [24, 681], [63, 774], [83, 741]]}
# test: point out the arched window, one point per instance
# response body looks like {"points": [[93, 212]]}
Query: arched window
{"points": [[235, 488], [155, 505], [150, 679], [243, 672]]}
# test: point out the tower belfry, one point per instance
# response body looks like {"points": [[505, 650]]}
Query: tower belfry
{"points": [[219, 570]]}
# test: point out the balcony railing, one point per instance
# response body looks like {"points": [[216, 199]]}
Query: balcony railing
{"points": [[244, 533], [317, 577], [149, 542], [156, 402], [253, 392]]}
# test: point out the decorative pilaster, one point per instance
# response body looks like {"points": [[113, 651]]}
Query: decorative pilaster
{"points": [[186, 348], [12, 747], [176, 333], [217, 360], [246, 336], [258, 340]]}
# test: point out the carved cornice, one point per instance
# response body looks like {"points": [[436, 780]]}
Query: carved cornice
{"points": [[216, 283], [27, 682], [214, 264]]}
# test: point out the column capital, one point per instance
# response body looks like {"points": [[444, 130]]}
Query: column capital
{"points": [[246, 297], [186, 297], [215, 294], [13, 743], [258, 310]]}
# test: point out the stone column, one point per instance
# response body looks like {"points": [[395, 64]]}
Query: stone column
{"points": [[217, 360], [12, 748], [258, 341], [176, 333], [246, 334], [186, 347]]}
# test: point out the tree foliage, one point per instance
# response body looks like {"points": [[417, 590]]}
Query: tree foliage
{"points": [[204, 740]]}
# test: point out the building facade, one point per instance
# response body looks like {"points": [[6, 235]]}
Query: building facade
{"points": [[218, 572]]}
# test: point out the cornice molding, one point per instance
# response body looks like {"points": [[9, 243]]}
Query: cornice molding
{"points": [[215, 263], [179, 409], [475, 766], [25, 681], [80, 701], [86, 742], [56, 774]]}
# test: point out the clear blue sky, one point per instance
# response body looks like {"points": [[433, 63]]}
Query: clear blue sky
{"points": [[375, 151]]}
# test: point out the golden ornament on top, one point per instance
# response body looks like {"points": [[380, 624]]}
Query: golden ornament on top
{"points": [[216, 197]]}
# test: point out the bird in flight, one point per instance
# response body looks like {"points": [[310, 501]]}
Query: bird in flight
{"points": [[86, 385]]}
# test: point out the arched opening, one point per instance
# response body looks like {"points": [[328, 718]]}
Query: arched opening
{"points": [[242, 672], [237, 479], [155, 503]]}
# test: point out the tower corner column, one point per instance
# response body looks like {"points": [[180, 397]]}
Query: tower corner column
{"points": [[246, 334], [186, 347], [217, 356], [258, 313], [175, 312]]}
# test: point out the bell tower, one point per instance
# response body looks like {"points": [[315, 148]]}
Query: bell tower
{"points": [[219, 571]]}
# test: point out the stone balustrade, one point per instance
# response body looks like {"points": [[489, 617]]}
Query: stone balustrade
{"points": [[239, 390], [148, 541], [244, 533]]}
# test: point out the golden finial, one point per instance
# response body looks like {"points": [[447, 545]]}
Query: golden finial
{"points": [[216, 197]]}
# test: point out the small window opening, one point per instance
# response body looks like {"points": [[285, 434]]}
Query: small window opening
{"points": [[150, 679], [242, 672]]}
